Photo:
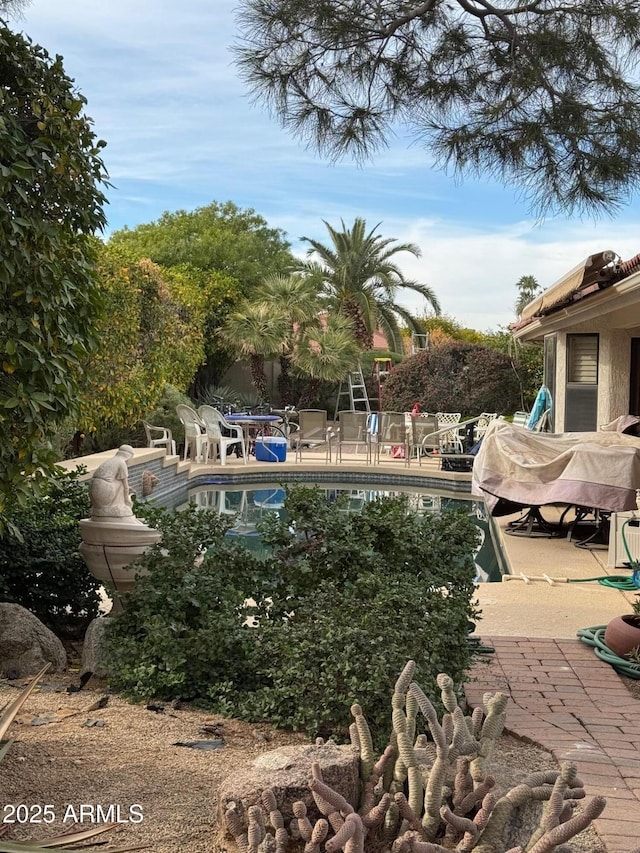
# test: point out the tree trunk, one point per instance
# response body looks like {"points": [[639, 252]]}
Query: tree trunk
{"points": [[310, 395], [258, 376], [284, 380], [360, 331]]}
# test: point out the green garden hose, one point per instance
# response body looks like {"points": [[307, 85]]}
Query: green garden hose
{"points": [[595, 637], [628, 584], [623, 582]]}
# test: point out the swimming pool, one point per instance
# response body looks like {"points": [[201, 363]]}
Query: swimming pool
{"points": [[248, 503]]}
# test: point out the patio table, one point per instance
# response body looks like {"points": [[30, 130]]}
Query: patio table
{"points": [[257, 423]]}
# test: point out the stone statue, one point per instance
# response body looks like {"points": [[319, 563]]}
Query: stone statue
{"points": [[113, 537], [109, 488]]}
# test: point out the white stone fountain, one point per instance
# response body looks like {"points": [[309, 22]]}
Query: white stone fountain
{"points": [[113, 537]]}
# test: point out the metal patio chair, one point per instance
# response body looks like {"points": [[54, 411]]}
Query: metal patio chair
{"points": [[313, 432], [450, 442], [392, 433], [353, 430], [424, 436]]}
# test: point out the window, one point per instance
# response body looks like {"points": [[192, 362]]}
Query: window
{"points": [[582, 359], [581, 393]]}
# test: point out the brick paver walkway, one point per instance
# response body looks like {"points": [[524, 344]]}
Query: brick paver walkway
{"points": [[567, 701]]}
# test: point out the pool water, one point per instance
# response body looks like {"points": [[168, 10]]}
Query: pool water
{"points": [[248, 504]]}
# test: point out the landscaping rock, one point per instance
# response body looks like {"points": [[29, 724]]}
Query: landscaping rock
{"points": [[93, 649], [287, 771], [26, 645]]}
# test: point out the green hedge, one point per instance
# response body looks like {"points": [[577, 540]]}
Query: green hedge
{"points": [[454, 377], [340, 606], [40, 566]]}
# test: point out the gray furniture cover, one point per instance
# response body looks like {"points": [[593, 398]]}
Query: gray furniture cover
{"points": [[518, 468]]}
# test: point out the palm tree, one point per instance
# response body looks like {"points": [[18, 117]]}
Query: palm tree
{"points": [[528, 288], [361, 281], [325, 351], [256, 332], [295, 298]]}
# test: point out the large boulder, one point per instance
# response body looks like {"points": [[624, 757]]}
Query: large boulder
{"points": [[287, 771], [26, 645]]}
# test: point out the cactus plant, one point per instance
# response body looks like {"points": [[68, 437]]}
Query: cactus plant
{"points": [[425, 795]]}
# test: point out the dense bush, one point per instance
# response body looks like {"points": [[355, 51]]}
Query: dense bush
{"points": [[339, 606], [164, 412], [41, 568], [456, 376], [183, 628]]}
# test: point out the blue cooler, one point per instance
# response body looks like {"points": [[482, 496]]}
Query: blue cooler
{"points": [[271, 448]]}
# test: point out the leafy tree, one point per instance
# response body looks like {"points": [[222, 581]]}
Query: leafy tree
{"points": [[526, 360], [147, 339], [219, 237], [235, 246], [541, 95], [12, 7], [361, 280], [50, 202], [443, 328], [528, 288], [458, 376]]}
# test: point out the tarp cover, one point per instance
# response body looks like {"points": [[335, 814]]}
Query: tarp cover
{"points": [[518, 468]]}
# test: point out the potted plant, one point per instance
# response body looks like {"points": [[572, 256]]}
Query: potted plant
{"points": [[622, 634]]}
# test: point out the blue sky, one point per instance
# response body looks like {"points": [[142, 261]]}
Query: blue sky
{"points": [[182, 132]]}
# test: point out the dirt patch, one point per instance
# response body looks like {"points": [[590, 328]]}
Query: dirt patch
{"points": [[125, 756]]}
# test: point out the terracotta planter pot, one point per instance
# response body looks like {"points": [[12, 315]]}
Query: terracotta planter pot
{"points": [[623, 634]]}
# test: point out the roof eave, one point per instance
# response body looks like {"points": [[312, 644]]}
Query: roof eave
{"points": [[619, 295]]}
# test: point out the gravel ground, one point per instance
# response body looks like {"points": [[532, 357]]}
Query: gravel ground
{"points": [[126, 755]]}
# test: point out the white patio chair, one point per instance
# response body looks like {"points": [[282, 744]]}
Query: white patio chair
{"points": [[159, 437], [196, 443], [483, 422], [214, 423], [450, 442]]}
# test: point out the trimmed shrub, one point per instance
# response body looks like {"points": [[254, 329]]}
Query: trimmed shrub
{"points": [[455, 376], [40, 567], [339, 605]]}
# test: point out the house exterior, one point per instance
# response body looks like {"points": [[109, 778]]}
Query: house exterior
{"points": [[589, 322]]}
